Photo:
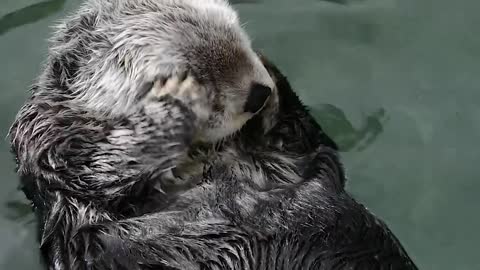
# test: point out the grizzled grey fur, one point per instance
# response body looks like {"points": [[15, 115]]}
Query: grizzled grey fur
{"points": [[157, 139]]}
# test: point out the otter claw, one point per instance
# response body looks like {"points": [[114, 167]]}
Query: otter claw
{"points": [[184, 87]]}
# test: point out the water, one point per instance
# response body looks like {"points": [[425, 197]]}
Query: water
{"points": [[395, 82]]}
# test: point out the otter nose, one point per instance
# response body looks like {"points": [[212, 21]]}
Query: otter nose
{"points": [[257, 97]]}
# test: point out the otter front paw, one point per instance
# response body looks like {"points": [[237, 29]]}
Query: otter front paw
{"points": [[186, 89]]}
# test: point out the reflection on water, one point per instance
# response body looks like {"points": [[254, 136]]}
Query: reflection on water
{"points": [[334, 121], [343, 2], [29, 14], [19, 211]]}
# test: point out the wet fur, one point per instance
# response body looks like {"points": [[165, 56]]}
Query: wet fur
{"points": [[270, 196]]}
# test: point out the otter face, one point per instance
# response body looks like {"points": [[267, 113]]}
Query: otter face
{"points": [[241, 88], [223, 60]]}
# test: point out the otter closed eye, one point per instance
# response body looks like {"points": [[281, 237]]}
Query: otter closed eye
{"points": [[258, 96]]}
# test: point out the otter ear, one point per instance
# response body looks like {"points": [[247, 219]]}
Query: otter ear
{"points": [[257, 97]]}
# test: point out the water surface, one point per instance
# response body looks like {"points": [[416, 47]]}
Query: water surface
{"points": [[395, 82]]}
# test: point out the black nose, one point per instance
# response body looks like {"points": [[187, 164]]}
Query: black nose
{"points": [[257, 97]]}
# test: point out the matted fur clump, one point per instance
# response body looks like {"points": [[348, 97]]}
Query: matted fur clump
{"points": [[156, 138]]}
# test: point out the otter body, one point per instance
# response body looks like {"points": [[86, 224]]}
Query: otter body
{"points": [[157, 139]]}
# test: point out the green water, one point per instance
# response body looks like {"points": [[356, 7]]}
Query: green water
{"points": [[395, 82]]}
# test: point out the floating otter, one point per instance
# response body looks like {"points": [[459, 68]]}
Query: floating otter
{"points": [[156, 138]]}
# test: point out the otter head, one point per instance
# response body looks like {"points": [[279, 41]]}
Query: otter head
{"points": [[109, 49]]}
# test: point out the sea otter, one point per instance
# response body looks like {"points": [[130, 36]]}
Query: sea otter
{"points": [[156, 138]]}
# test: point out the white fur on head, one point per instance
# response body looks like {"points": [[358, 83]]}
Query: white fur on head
{"points": [[109, 49]]}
